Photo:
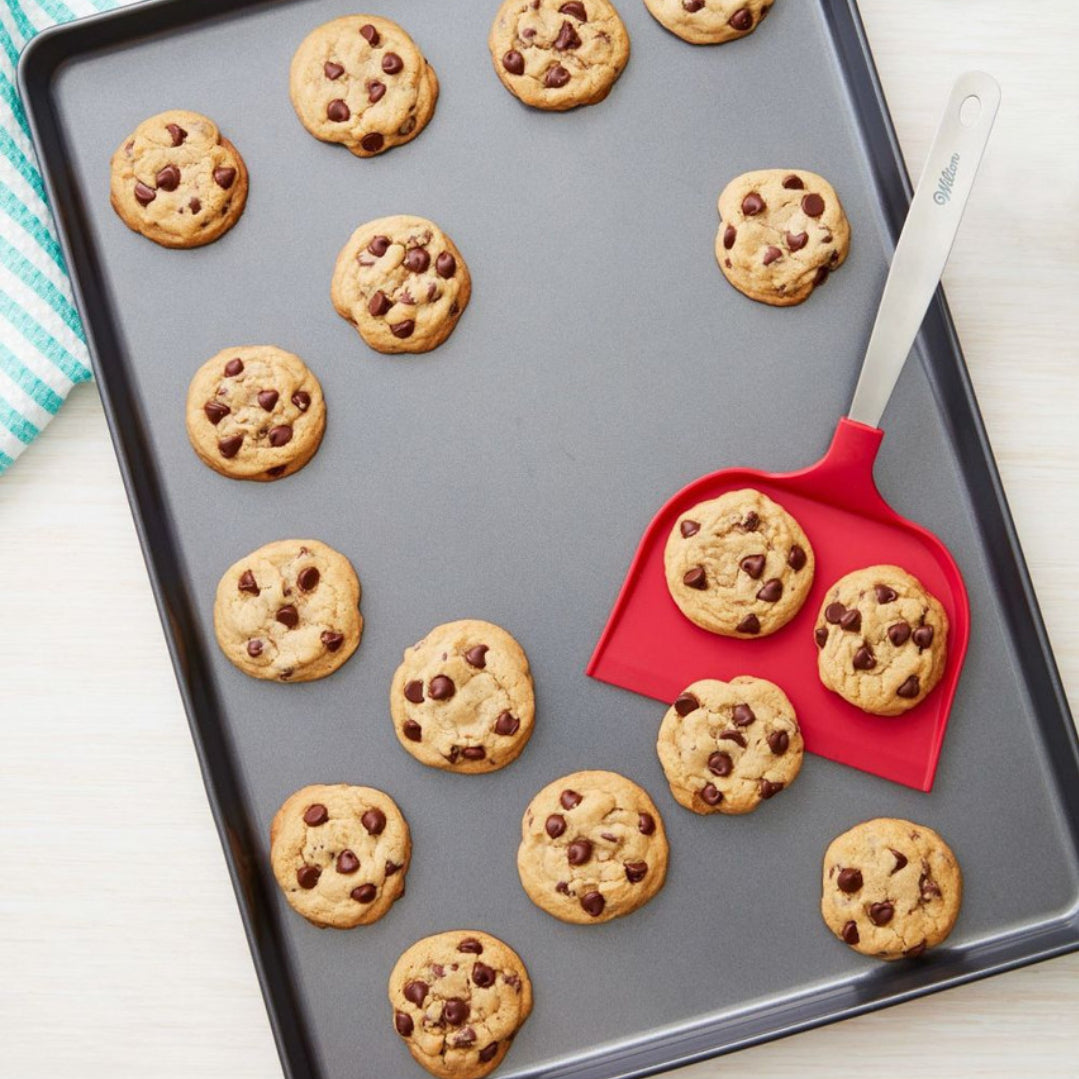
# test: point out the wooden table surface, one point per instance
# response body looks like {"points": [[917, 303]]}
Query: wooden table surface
{"points": [[121, 948]]}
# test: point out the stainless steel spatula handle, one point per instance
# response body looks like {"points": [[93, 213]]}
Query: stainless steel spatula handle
{"points": [[926, 240]]}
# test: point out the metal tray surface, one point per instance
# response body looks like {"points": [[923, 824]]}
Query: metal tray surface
{"points": [[602, 364]]}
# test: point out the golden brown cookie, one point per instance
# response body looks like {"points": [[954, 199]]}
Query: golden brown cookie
{"points": [[709, 22]]}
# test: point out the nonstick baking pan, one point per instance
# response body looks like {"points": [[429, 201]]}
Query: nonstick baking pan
{"points": [[602, 364]]}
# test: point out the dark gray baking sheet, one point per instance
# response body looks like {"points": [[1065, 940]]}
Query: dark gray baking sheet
{"points": [[602, 364]]}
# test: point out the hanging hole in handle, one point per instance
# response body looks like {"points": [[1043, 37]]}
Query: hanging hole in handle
{"points": [[970, 109]]}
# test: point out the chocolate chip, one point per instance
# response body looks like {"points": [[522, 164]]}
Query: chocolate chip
{"points": [[733, 736], [473, 753], [229, 447], [695, 578], [899, 634], [849, 881], [247, 583], [280, 435], [370, 34], [417, 259], [923, 636], [772, 590], [570, 799], [913, 953], [579, 852], [689, 528], [884, 594], [793, 183], [254, 648], [646, 823], [441, 688], [392, 868], [338, 111], [302, 400], [555, 79], [307, 876], [144, 195], [692, 6], [636, 871], [686, 703], [752, 204], [514, 62], [402, 1022], [753, 564], [168, 179], [813, 205], [372, 142], [476, 656], [711, 794], [752, 521], [834, 612], [470, 946], [864, 660], [416, 992], [797, 240], [928, 887], [308, 578], [771, 254], [332, 70], [374, 821], [215, 411], [910, 688], [412, 730], [768, 789], [414, 691], [224, 177], [821, 636], [288, 616], [375, 91], [555, 825], [403, 329], [779, 742], [820, 276], [316, 814], [455, 1011], [196, 205], [483, 975], [900, 861], [851, 620], [379, 304], [347, 862], [176, 133], [332, 640], [392, 63], [234, 367], [574, 8], [850, 934], [365, 893], [593, 903], [507, 724], [750, 624], [488, 1053], [568, 38], [720, 764], [742, 19], [881, 913], [379, 246], [730, 234]]}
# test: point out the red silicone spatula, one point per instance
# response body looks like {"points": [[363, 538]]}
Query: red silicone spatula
{"points": [[649, 647]]}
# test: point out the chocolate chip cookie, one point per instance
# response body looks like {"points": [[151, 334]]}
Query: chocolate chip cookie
{"points": [[402, 283], [739, 565], [462, 698], [255, 413], [558, 54], [340, 854], [289, 611], [592, 848], [361, 81], [727, 746], [458, 999], [177, 180], [709, 22], [882, 640], [781, 233], [891, 888]]}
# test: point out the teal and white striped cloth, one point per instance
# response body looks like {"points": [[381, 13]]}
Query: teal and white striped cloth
{"points": [[42, 345]]}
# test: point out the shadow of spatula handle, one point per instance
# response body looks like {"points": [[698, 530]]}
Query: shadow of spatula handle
{"points": [[927, 238]]}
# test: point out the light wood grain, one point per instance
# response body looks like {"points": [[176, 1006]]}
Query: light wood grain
{"points": [[121, 947]]}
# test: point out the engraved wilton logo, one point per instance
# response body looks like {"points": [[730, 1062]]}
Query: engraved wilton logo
{"points": [[943, 194]]}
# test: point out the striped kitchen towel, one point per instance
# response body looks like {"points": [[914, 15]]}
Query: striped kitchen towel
{"points": [[42, 345]]}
